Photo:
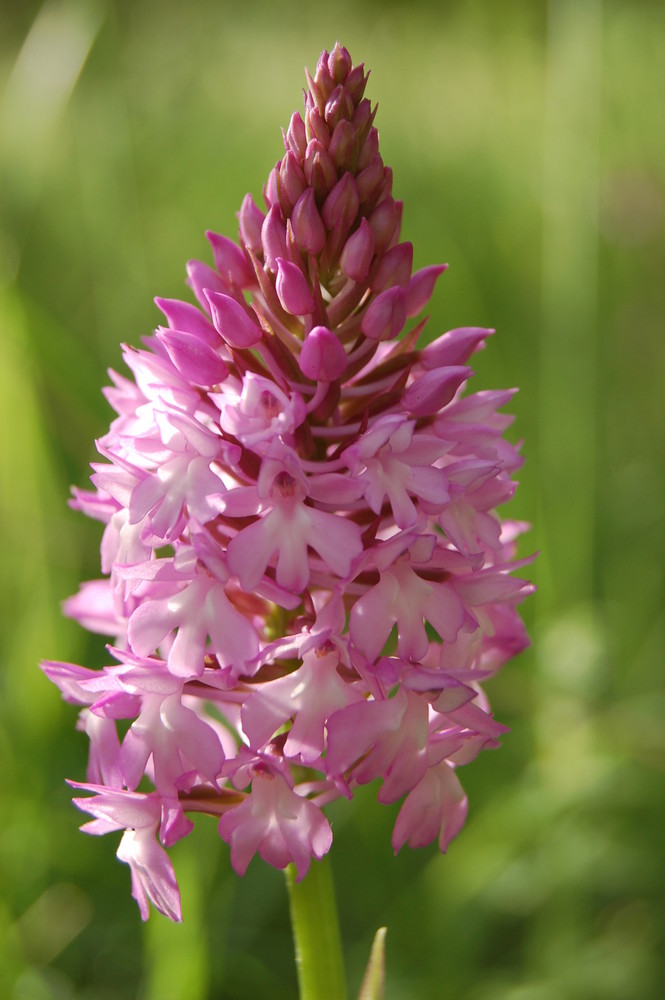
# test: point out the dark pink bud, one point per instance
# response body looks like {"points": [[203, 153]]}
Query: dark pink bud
{"points": [[314, 97], [420, 288], [394, 269], [273, 237], [193, 358], [319, 169], [316, 127], [292, 179], [339, 63], [454, 347], [371, 179], [339, 107], [434, 390], [356, 82], [271, 187], [251, 219], [386, 315], [292, 289], [341, 206], [201, 276], [230, 260], [344, 146], [358, 252], [185, 316], [296, 137], [369, 149], [232, 322], [384, 223], [322, 356], [308, 228], [323, 79], [363, 115]]}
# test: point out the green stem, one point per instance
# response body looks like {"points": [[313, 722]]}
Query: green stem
{"points": [[316, 935]]}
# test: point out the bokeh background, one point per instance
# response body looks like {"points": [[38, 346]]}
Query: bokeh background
{"points": [[528, 145]]}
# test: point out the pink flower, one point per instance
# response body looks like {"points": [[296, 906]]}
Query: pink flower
{"points": [[274, 821], [153, 878], [435, 808], [305, 573]]}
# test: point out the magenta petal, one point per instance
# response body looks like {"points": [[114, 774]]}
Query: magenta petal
{"points": [[372, 618], [385, 316], [186, 317], [249, 553], [193, 358], [233, 322], [420, 288], [251, 220], [230, 261], [434, 390], [394, 269], [454, 347]]}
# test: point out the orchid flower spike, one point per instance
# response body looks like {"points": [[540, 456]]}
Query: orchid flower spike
{"points": [[305, 579]]}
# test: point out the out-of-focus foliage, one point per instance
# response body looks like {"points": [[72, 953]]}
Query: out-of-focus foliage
{"points": [[528, 148]]}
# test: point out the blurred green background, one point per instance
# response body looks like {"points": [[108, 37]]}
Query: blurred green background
{"points": [[528, 145]]}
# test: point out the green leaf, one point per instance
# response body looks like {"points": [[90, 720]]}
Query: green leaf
{"points": [[375, 973]]}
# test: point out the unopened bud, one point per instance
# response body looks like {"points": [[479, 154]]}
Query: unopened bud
{"points": [[344, 146], [420, 288], [385, 316], [292, 289], [296, 136], [184, 316], [316, 127], [363, 115], [454, 347], [308, 229], [271, 187], [232, 321], [201, 276], [341, 206], [339, 107], [230, 261], [193, 358], [384, 223], [322, 357], [394, 268], [273, 237], [250, 218], [314, 97], [434, 390], [356, 82], [356, 257], [319, 169], [323, 80], [292, 179], [339, 63], [369, 149], [370, 180]]}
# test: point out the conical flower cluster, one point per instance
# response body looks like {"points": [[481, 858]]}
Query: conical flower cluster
{"points": [[305, 577]]}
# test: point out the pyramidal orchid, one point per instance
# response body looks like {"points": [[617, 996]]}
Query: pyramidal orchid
{"points": [[305, 577]]}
